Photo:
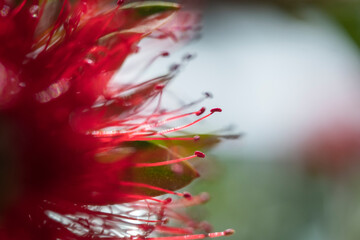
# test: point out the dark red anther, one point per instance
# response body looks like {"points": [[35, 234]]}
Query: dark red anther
{"points": [[196, 138], [159, 87], [165, 54], [199, 154], [187, 195], [167, 200], [120, 2], [201, 111], [216, 110]]}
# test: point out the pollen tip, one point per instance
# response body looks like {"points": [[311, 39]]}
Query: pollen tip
{"points": [[187, 195], [199, 154], [201, 111], [120, 2], [165, 54], [229, 232], [168, 200], [159, 87], [216, 110], [196, 138]]}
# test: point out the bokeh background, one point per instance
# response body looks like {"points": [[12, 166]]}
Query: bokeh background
{"points": [[287, 75]]}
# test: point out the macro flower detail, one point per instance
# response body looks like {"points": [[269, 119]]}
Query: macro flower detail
{"points": [[80, 159]]}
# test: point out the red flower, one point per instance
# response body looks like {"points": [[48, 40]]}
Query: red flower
{"points": [[80, 160]]}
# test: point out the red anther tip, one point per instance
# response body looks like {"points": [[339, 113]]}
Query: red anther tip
{"points": [[167, 200], [201, 111], [187, 195], [229, 232], [165, 54], [216, 110], [199, 154], [159, 87], [165, 220], [120, 2], [196, 138]]}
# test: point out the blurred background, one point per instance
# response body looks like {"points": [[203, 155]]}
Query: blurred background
{"points": [[287, 76]]}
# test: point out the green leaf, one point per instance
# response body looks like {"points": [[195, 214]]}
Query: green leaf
{"points": [[137, 18], [346, 15], [170, 177], [145, 9]]}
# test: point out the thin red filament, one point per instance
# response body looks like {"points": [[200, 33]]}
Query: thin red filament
{"points": [[227, 232], [156, 164]]}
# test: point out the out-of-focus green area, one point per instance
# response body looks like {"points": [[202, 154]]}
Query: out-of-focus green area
{"points": [[345, 13], [312, 194], [281, 200]]}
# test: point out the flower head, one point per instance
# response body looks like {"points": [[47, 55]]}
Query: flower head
{"points": [[80, 159]]}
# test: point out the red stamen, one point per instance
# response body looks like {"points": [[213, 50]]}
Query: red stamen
{"points": [[195, 200], [143, 185], [187, 195], [57, 24], [156, 164], [216, 110], [18, 8], [201, 111], [164, 139], [227, 232], [190, 124], [142, 197], [173, 230], [199, 154], [197, 113]]}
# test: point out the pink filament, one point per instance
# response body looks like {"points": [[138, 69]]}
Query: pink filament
{"points": [[156, 164], [227, 232], [143, 185]]}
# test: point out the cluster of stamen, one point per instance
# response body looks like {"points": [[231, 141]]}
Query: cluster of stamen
{"points": [[118, 116]]}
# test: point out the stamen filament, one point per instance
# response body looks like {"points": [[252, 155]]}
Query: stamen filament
{"points": [[173, 230], [227, 232], [165, 139], [187, 125], [156, 164], [18, 8], [143, 185]]}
